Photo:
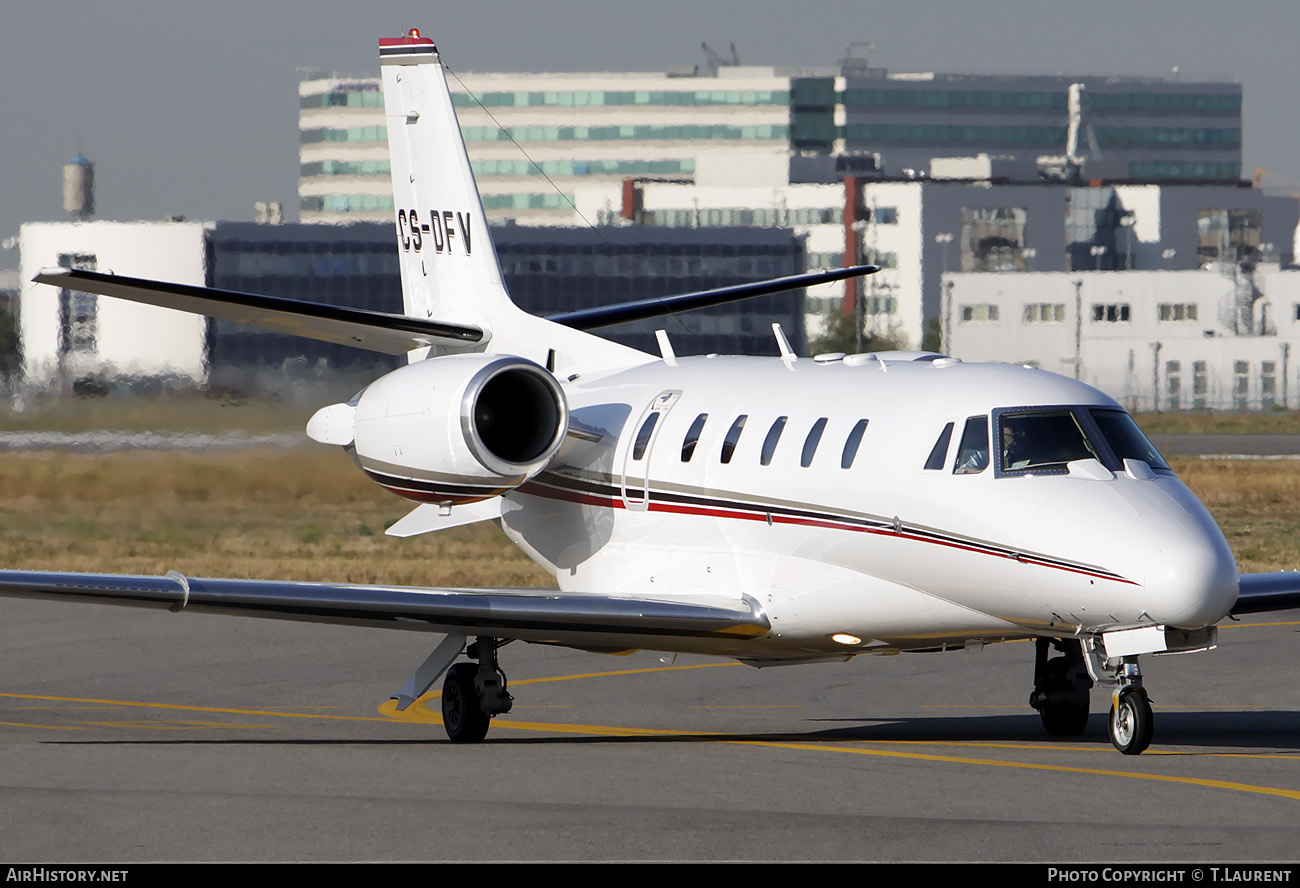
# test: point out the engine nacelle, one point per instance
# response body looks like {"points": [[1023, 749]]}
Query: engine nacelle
{"points": [[453, 429]]}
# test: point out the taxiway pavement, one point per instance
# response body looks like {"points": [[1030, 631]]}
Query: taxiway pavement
{"points": [[132, 735]]}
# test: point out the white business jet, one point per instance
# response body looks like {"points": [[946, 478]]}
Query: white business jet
{"points": [[772, 510]]}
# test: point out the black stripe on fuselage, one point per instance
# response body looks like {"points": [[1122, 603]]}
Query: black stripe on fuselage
{"points": [[392, 481], [613, 495]]}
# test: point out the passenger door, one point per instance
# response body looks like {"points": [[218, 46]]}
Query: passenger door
{"points": [[636, 459]]}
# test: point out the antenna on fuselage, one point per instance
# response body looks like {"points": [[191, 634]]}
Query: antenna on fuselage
{"points": [[783, 344], [666, 348]]}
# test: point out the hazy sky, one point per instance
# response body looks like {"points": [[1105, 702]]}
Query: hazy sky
{"points": [[191, 108]]}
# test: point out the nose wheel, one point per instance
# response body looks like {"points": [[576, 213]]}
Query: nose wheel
{"points": [[1131, 721]]}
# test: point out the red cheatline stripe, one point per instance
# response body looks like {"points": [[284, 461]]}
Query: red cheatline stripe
{"points": [[748, 513]]}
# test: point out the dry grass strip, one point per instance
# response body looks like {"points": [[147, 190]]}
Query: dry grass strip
{"points": [[308, 514]]}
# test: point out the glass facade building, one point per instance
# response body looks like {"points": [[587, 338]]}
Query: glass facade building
{"points": [[534, 138], [548, 271]]}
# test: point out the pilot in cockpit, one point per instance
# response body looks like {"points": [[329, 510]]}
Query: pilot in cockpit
{"points": [[1013, 444]]}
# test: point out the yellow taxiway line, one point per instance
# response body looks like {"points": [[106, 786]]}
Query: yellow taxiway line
{"points": [[422, 713]]}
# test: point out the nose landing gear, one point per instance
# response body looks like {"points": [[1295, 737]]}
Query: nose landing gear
{"points": [[1131, 722], [1061, 686]]}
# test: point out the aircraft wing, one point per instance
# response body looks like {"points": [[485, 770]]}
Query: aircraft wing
{"points": [[1261, 592], [377, 331], [541, 615]]}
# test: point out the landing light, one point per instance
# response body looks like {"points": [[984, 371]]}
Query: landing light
{"points": [[845, 638]]}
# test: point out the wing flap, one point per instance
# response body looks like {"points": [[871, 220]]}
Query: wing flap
{"points": [[526, 614], [1260, 592], [376, 331]]}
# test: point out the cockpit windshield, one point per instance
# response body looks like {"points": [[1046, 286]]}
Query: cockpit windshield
{"points": [[1047, 439], [1126, 439], [1042, 440]]}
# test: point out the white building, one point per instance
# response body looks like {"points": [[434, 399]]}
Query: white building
{"points": [[749, 145], [69, 335], [1153, 340], [917, 230]]}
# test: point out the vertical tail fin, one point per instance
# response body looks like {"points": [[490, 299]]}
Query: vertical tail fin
{"points": [[449, 265]]}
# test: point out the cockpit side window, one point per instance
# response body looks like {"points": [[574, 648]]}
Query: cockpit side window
{"points": [[1042, 441], [973, 454], [1127, 440], [940, 450]]}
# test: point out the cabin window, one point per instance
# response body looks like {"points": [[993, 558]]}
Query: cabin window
{"points": [[973, 454], [851, 445], [693, 437], [643, 436], [810, 443], [940, 450], [773, 435], [733, 435], [1041, 441]]}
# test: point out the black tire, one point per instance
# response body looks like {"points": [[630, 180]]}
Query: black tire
{"points": [[462, 716], [1065, 708], [1131, 721]]}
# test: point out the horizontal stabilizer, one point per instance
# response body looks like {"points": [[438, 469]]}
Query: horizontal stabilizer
{"points": [[1261, 592], [642, 309], [543, 615], [375, 331]]}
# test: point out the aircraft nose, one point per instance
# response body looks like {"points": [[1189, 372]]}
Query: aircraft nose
{"points": [[1152, 532], [1191, 579]]}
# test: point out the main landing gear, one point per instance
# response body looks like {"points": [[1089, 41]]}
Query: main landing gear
{"points": [[1062, 683], [1061, 686], [474, 692]]}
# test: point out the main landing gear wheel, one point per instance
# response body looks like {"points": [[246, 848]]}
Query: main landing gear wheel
{"points": [[1131, 721], [462, 711], [1061, 686], [1064, 704]]}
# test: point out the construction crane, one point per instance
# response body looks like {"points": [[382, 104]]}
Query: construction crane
{"points": [[716, 61], [1276, 183]]}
